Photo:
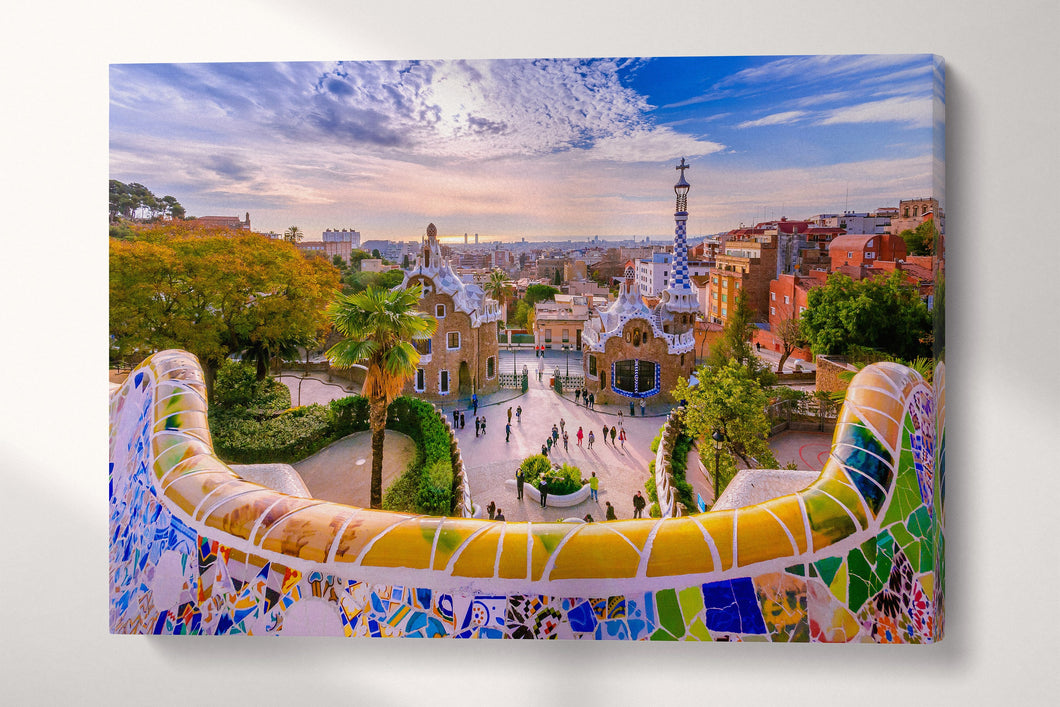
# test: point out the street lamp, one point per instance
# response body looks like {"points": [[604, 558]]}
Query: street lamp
{"points": [[566, 348], [719, 439]]}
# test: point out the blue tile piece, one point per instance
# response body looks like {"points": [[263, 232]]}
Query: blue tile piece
{"points": [[581, 618], [732, 606]]}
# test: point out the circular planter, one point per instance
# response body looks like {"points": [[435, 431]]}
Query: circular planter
{"points": [[565, 501]]}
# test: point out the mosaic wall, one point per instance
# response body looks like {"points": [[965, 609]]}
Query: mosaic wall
{"points": [[857, 556]]}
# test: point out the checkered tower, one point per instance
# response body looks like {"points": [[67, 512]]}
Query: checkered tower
{"points": [[679, 296]]}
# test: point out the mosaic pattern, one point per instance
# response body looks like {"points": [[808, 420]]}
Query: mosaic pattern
{"points": [[194, 549]]}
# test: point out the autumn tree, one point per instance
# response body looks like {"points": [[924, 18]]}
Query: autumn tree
{"points": [[213, 292], [789, 331], [920, 240]]}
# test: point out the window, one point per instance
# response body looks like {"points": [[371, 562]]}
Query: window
{"points": [[592, 366], [850, 254], [787, 300], [548, 336], [724, 298], [773, 296], [635, 377], [772, 310], [443, 382], [869, 255], [566, 335], [491, 366], [421, 380], [423, 346], [724, 312], [801, 310], [453, 340], [714, 295], [439, 311]]}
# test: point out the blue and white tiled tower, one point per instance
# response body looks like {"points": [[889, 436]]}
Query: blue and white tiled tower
{"points": [[679, 299]]}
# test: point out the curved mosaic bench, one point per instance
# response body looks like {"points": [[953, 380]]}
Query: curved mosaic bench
{"points": [[196, 549]]}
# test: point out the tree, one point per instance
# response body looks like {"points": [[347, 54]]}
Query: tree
{"points": [[213, 293], [557, 277], [498, 286], [378, 326], [735, 343], [539, 293], [293, 234], [790, 334], [728, 399], [517, 318], [136, 202], [376, 254], [920, 240], [882, 313]]}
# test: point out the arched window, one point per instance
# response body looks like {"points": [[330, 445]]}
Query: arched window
{"points": [[635, 378]]}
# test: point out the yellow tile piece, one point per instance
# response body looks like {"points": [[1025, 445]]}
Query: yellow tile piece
{"points": [[365, 526], [453, 534], [238, 513], [789, 511], [479, 557], [680, 548], [513, 552], [407, 545], [698, 631], [829, 523], [838, 587], [719, 525], [547, 537], [309, 532], [276, 507], [188, 491], [596, 552], [847, 495], [170, 448], [760, 536], [201, 463]]}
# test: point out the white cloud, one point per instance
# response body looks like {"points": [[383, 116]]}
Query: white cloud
{"points": [[774, 119], [655, 145], [914, 111]]}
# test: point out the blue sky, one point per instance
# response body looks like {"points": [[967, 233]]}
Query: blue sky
{"points": [[510, 148]]}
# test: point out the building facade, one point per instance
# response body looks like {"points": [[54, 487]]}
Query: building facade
{"points": [[858, 250], [461, 357]]}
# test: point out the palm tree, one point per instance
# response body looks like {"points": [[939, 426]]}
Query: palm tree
{"points": [[293, 234], [498, 286], [378, 326]]}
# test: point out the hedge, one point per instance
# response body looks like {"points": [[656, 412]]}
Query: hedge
{"points": [[561, 481]]}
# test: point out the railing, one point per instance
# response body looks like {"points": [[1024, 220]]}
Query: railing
{"points": [[810, 413]]}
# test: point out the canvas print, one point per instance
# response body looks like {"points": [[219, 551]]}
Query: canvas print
{"points": [[634, 349]]}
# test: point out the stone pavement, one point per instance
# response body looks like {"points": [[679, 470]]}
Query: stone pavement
{"points": [[490, 461], [342, 472]]}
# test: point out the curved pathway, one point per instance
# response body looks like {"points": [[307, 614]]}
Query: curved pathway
{"points": [[342, 472]]}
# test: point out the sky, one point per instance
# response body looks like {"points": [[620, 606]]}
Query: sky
{"points": [[530, 148]]}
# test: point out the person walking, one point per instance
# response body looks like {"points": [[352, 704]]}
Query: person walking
{"points": [[509, 415], [519, 479], [491, 509], [610, 512], [456, 418], [483, 425], [592, 401], [579, 436], [591, 438], [562, 426], [642, 407], [620, 417], [565, 438], [519, 414], [638, 505], [613, 435], [508, 432], [549, 442], [544, 451], [461, 420], [478, 426], [622, 438], [500, 515], [605, 434], [555, 433], [631, 413], [585, 398], [577, 395], [594, 487], [543, 488], [474, 404]]}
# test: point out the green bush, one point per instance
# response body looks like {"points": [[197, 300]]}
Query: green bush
{"points": [[349, 415], [236, 389], [654, 511], [562, 481], [649, 485], [288, 437]]}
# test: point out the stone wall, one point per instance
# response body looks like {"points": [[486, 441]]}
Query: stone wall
{"points": [[828, 377]]}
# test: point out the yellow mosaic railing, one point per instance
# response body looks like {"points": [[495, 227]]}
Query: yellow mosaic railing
{"points": [[466, 554]]}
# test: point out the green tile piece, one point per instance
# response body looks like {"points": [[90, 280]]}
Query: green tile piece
{"points": [[669, 612], [902, 536], [913, 553], [661, 635], [860, 580], [827, 567], [919, 523], [699, 631], [906, 487], [927, 560], [691, 600], [798, 570], [884, 560]]}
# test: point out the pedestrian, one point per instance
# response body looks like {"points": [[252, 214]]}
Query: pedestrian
{"points": [[585, 397], [620, 417], [483, 425], [638, 505], [631, 413], [592, 401], [519, 478], [605, 434], [579, 436], [461, 420], [588, 518], [500, 515], [591, 438], [543, 488], [565, 438], [509, 415], [577, 395], [613, 435], [549, 442], [562, 426], [622, 438], [508, 432], [544, 451], [758, 347], [610, 512], [594, 488], [474, 404], [491, 509], [555, 433], [642, 407], [456, 419], [478, 426], [519, 414]]}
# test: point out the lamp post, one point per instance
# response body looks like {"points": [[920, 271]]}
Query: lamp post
{"points": [[719, 440], [566, 349]]}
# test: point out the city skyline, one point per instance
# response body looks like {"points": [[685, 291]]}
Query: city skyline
{"points": [[530, 148]]}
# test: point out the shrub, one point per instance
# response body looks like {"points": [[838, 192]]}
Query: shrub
{"points": [[561, 480], [654, 511], [649, 485], [534, 467], [288, 437], [349, 415], [236, 389]]}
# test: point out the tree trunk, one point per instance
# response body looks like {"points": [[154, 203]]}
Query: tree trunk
{"points": [[262, 367], [377, 423], [780, 366]]}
